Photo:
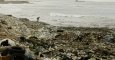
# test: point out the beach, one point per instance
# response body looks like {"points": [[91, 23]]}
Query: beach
{"points": [[59, 30]]}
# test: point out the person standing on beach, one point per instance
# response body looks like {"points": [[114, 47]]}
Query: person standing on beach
{"points": [[38, 19]]}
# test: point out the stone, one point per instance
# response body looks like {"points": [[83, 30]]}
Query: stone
{"points": [[109, 38], [92, 59], [24, 19], [9, 41]]}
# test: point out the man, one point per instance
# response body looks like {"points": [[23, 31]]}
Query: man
{"points": [[38, 19]]}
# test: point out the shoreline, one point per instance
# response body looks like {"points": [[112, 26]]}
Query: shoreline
{"points": [[59, 43]]}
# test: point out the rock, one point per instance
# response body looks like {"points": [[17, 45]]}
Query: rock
{"points": [[64, 57], [16, 50], [22, 39], [109, 38], [3, 22], [92, 59], [61, 50], [85, 58], [33, 38], [60, 30], [29, 53], [9, 27], [24, 19], [12, 26], [9, 15], [10, 42]]}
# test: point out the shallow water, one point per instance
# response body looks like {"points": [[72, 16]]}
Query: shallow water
{"points": [[65, 13]]}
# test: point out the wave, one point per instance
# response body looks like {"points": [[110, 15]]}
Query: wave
{"points": [[64, 15]]}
